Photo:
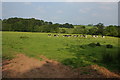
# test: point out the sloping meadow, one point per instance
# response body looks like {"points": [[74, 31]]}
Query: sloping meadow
{"points": [[71, 51]]}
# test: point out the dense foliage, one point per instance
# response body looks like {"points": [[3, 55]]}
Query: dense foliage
{"points": [[35, 25], [31, 25]]}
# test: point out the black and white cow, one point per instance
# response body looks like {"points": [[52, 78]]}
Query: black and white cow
{"points": [[56, 35], [81, 36], [49, 35], [85, 36], [67, 35], [75, 35], [95, 36], [103, 36]]}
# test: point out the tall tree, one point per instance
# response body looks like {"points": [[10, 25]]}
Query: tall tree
{"points": [[100, 27]]}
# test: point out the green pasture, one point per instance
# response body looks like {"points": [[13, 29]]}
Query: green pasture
{"points": [[70, 51], [88, 27]]}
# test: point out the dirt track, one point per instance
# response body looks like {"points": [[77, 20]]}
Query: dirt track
{"points": [[26, 67]]}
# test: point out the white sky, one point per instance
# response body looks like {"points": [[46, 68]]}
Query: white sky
{"points": [[60, 0]]}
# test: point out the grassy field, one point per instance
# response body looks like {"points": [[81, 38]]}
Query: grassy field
{"points": [[88, 27], [72, 51]]}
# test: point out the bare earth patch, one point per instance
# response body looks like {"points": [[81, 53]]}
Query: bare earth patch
{"points": [[25, 67]]}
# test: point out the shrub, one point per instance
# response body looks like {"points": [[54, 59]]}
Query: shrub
{"points": [[109, 46], [92, 44], [23, 37], [98, 44], [83, 47]]}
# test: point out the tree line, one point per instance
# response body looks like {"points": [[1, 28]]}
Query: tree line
{"points": [[31, 25], [35, 25]]}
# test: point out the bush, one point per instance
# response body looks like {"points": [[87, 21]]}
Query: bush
{"points": [[98, 44], [83, 47], [24, 37], [92, 44], [109, 46]]}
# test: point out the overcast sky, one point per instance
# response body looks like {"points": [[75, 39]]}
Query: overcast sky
{"points": [[63, 12]]}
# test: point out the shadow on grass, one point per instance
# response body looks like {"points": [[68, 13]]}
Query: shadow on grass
{"points": [[82, 56], [91, 54]]}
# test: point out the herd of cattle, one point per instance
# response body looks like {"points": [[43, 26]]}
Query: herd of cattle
{"points": [[85, 36]]}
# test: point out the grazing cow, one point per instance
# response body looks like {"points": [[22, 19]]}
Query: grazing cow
{"points": [[75, 35], [49, 35], [56, 35], [81, 36], [93, 36], [67, 35], [70, 35], [96, 36], [103, 36], [64, 35], [85, 36]]}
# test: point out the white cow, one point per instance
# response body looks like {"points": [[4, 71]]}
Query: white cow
{"points": [[103, 36], [93, 36]]}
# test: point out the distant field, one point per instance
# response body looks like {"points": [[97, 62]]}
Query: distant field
{"points": [[60, 48], [88, 27]]}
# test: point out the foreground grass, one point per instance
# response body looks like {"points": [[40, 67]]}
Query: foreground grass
{"points": [[74, 52]]}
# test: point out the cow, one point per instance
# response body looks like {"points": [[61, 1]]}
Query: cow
{"points": [[81, 36], [64, 35], [103, 36], [67, 35], [95, 36], [75, 35], [49, 35], [56, 35], [85, 36]]}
